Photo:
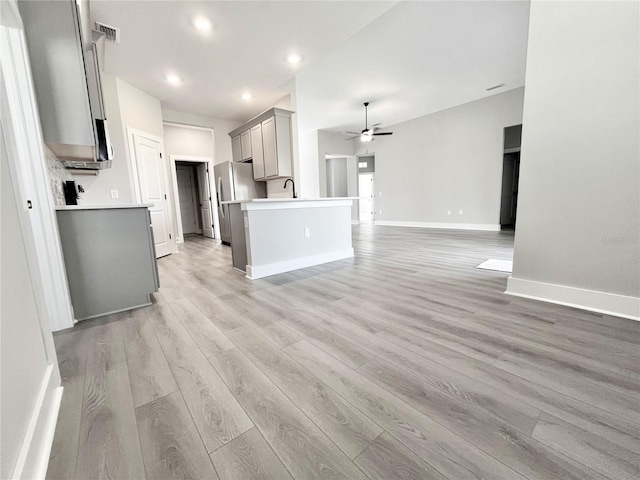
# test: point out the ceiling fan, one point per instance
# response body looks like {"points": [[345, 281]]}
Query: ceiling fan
{"points": [[367, 134]]}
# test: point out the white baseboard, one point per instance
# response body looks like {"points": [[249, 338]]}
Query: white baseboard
{"points": [[490, 227], [33, 458], [260, 271], [592, 300]]}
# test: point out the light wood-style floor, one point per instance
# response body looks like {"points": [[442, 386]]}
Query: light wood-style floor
{"points": [[403, 363]]}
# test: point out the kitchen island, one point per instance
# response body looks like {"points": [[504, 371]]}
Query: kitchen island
{"points": [[276, 235]]}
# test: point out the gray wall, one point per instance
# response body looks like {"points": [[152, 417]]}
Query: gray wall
{"points": [[579, 203], [449, 160]]}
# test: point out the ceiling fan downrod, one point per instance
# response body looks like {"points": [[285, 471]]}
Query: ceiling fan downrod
{"points": [[366, 118]]}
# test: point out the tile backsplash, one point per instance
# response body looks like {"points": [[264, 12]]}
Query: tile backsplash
{"points": [[275, 189], [57, 175]]}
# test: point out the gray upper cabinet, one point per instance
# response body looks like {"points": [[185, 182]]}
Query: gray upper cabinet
{"points": [[236, 148], [245, 141], [270, 147], [66, 76], [270, 142], [258, 152]]}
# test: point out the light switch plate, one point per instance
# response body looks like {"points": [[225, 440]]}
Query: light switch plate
{"points": [[307, 232]]}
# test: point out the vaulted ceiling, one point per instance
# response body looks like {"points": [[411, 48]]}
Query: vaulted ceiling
{"points": [[407, 58]]}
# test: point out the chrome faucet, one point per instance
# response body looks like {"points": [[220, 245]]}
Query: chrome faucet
{"points": [[293, 184]]}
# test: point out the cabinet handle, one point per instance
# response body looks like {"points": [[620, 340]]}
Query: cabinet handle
{"points": [[29, 204]]}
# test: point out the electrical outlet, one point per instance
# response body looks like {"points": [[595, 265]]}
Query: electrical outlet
{"points": [[460, 212], [114, 194], [307, 232], [448, 212]]}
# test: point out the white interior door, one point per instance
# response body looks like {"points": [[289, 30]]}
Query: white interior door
{"points": [[206, 210], [365, 192], [153, 190], [187, 199]]}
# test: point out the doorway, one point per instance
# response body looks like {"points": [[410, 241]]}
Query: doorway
{"points": [[192, 192], [152, 187], [366, 172], [188, 198], [510, 177], [342, 179], [365, 188]]}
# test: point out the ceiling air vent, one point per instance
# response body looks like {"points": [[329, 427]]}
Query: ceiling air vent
{"points": [[112, 33]]}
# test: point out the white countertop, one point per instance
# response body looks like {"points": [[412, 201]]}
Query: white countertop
{"points": [[103, 207], [289, 200]]}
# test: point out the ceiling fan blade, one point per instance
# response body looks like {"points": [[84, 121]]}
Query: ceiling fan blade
{"points": [[351, 138], [383, 133], [349, 133]]}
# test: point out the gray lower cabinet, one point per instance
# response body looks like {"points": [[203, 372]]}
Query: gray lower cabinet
{"points": [[109, 257], [238, 237]]}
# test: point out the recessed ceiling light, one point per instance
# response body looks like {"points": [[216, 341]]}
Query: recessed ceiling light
{"points": [[173, 79], [202, 23], [246, 96], [293, 58]]}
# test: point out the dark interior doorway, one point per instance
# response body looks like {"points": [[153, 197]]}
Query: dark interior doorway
{"points": [[510, 177]]}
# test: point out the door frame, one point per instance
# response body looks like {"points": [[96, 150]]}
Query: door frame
{"points": [[22, 138], [135, 176], [373, 194], [505, 151], [212, 188], [194, 201], [365, 171], [42, 240]]}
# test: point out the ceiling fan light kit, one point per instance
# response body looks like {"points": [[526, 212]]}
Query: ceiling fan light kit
{"points": [[367, 134]]}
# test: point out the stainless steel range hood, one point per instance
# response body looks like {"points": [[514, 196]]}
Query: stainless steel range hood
{"points": [[83, 165]]}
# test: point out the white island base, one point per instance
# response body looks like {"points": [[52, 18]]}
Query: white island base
{"points": [[271, 236]]}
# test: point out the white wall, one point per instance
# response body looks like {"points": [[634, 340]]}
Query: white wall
{"points": [[579, 203], [308, 165], [449, 160], [221, 129], [23, 356], [126, 106], [188, 141]]}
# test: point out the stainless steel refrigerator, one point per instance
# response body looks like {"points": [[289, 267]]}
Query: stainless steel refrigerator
{"points": [[234, 181]]}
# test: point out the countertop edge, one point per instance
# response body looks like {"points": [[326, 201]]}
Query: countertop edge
{"points": [[102, 207], [289, 200]]}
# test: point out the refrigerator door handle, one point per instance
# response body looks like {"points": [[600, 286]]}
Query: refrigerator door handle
{"points": [[218, 194]]}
